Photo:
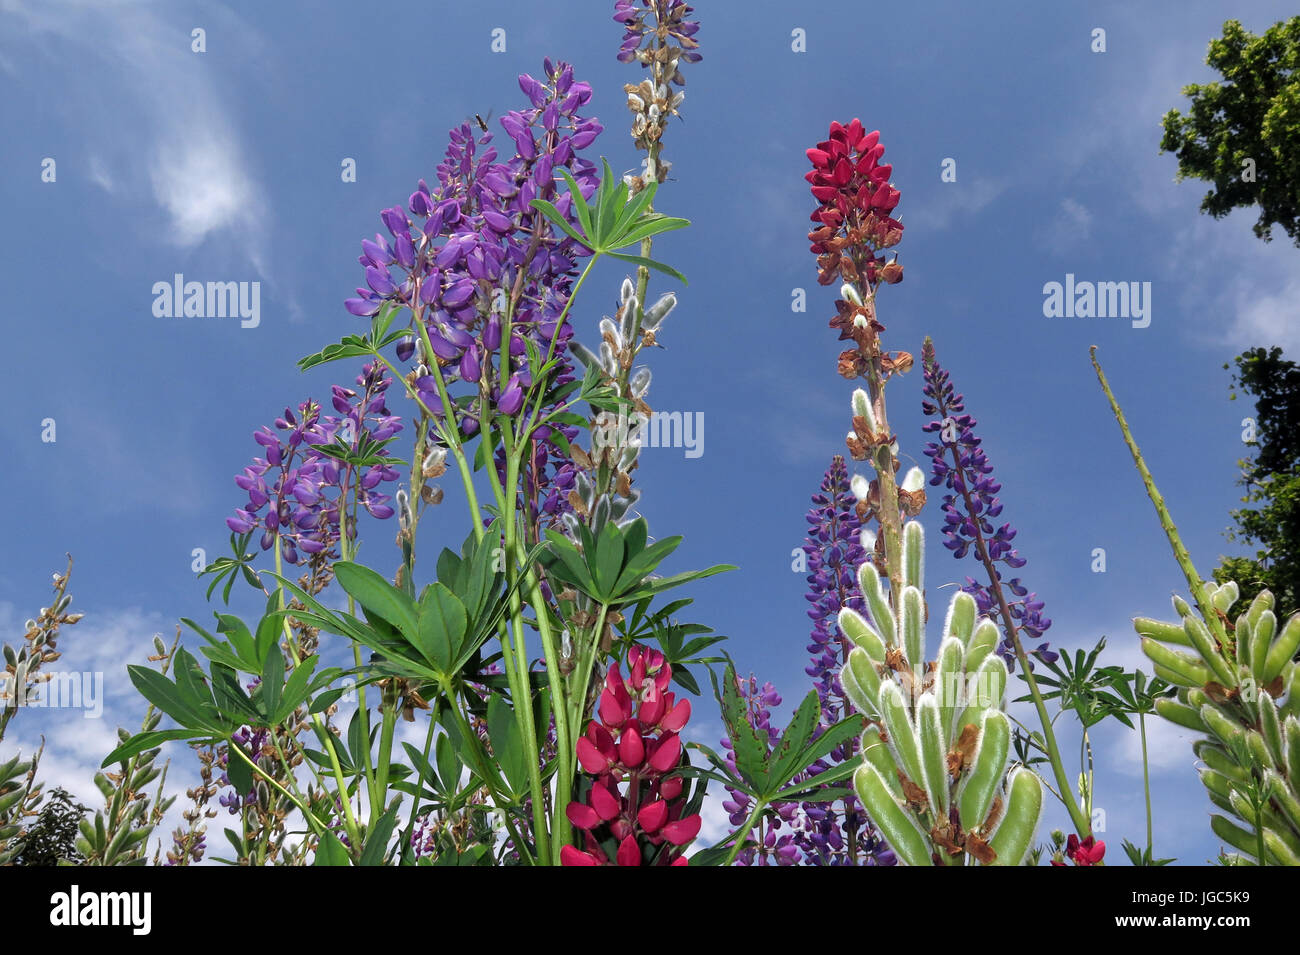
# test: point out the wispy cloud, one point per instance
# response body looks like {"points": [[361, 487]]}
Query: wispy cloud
{"points": [[952, 202], [170, 137], [1070, 227]]}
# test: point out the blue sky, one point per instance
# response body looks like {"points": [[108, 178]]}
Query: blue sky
{"points": [[225, 166]]}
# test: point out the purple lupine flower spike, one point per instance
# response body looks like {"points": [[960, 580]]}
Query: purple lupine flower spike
{"points": [[834, 833], [970, 507], [303, 488]]}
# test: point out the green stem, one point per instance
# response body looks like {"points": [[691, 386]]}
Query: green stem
{"points": [[1184, 559], [385, 756], [1082, 822], [428, 748], [307, 814], [476, 749], [326, 738], [743, 834], [1146, 778]]}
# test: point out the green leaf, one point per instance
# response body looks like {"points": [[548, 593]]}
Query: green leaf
{"points": [[608, 561], [272, 683], [376, 841], [783, 762], [580, 207], [638, 204], [377, 595], [558, 220], [330, 851], [143, 741], [507, 744], [162, 693], [641, 260], [238, 770], [750, 748], [440, 627], [651, 225]]}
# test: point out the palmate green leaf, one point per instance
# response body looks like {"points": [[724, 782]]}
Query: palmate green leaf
{"points": [[783, 761], [638, 204], [180, 703], [821, 747]]}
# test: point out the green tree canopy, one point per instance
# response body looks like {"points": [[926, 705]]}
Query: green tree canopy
{"points": [[1243, 134], [1272, 482]]}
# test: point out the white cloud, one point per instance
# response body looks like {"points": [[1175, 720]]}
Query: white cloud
{"points": [[1071, 226], [168, 135], [957, 200]]}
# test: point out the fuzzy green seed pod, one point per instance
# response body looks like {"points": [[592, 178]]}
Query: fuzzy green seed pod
{"points": [[1258, 749], [1225, 596], [1263, 601], [1282, 650], [1291, 732], [1234, 835], [854, 626], [1221, 726], [1219, 802], [882, 617], [982, 643], [1218, 784], [861, 682], [988, 685], [1170, 676], [1270, 727], [1261, 635], [1284, 797], [1242, 808], [862, 409], [1199, 634], [913, 630], [1161, 630], [984, 691], [1181, 714], [960, 622], [950, 682], [1220, 760], [914, 555], [1284, 853], [1181, 607], [875, 752], [1291, 705], [900, 830], [1015, 834], [984, 777], [1190, 670], [934, 751], [902, 735]]}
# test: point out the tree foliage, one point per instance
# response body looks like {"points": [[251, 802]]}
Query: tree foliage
{"points": [[1243, 134], [1272, 482]]}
